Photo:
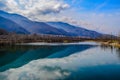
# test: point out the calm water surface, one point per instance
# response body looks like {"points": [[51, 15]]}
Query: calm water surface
{"points": [[80, 61]]}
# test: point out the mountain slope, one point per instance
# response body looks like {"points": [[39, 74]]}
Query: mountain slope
{"points": [[74, 30], [13, 17], [32, 26], [11, 26], [54, 28]]}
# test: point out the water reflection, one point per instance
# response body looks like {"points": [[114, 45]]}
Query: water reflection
{"points": [[106, 47], [112, 49], [17, 56], [118, 52], [85, 62]]}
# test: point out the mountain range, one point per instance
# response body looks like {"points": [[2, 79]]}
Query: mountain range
{"points": [[22, 25]]}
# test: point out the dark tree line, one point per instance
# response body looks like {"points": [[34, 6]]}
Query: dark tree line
{"points": [[13, 38]]}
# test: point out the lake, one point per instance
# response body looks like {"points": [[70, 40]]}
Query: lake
{"points": [[48, 61]]}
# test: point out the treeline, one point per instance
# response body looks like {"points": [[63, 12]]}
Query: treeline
{"points": [[109, 39], [22, 38], [13, 38], [3, 32]]}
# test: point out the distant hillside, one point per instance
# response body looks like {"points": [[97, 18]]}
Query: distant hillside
{"points": [[32, 26], [52, 28], [11, 26], [75, 30]]}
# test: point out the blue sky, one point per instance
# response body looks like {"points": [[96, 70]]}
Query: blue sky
{"points": [[100, 15], [91, 5], [103, 14]]}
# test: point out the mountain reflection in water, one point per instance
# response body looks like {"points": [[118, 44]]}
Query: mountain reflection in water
{"points": [[16, 56], [60, 62]]}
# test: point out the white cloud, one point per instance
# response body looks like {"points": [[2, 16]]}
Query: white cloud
{"points": [[34, 7]]}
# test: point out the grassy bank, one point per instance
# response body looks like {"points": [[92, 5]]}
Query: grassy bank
{"points": [[114, 43]]}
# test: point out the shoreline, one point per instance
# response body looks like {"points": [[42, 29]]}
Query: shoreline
{"points": [[114, 44], [106, 43], [70, 43]]}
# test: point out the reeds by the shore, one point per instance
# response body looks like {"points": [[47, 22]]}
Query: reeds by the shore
{"points": [[111, 43]]}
